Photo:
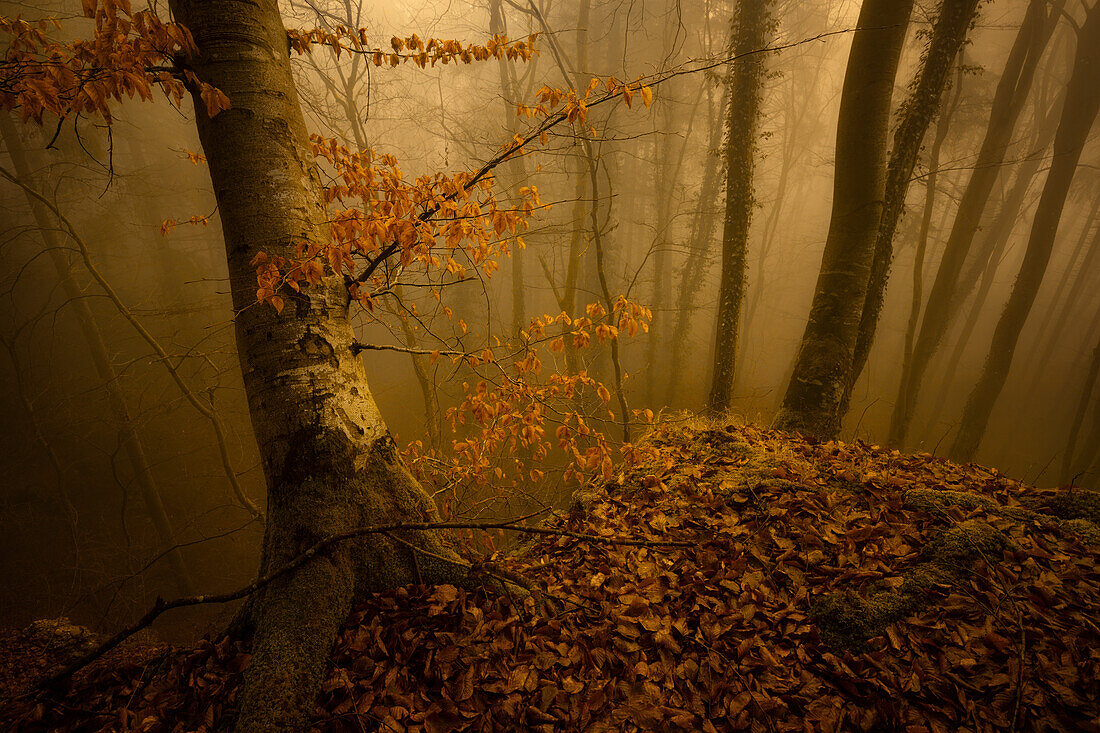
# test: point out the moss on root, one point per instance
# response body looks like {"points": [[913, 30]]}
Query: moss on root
{"points": [[1075, 503], [1075, 511], [847, 621], [935, 500]]}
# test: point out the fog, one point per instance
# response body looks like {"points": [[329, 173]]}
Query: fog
{"points": [[114, 268]]}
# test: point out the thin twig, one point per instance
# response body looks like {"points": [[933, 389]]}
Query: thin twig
{"points": [[204, 409], [161, 605]]}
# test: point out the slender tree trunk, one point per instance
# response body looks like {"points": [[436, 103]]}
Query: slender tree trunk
{"points": [[39, 435], [926, 221], [749, 31], [328, 458], [1053, 327], [1089, 454], [1083, 402], [663, 191], [698, 250], [1012, 91], [792, 125], [129, 439], [983, 270], [812, 401], [948, 35], [1078, 115]]}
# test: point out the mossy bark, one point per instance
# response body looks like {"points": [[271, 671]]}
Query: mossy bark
{"points": [[750, 31], [327, 455], [812, 400]]}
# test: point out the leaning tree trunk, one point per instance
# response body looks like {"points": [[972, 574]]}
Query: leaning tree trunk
{"points": [[1061, 315], [328, 458], [820, 375], [750, 31], [1078, 114], [1089, 454], [1008, 101], [917, 294], [948, 35]]}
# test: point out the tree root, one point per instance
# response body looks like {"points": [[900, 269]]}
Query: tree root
{"points": [[847, 621]]}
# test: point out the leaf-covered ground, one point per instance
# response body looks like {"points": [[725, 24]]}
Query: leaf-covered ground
{"points": [[828, 587]]}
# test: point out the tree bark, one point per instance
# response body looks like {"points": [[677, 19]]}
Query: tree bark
{"points": [[948, 35], [1008, 101], [1078, 115], [816, 388], [749, 32], [328, 458]]}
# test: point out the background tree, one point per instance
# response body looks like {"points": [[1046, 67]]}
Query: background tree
{"points": [[821, 371], [1012, 91], [750, 31], [1078, 114]]}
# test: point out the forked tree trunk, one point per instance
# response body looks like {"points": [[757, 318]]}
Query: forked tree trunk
{"points": [[1078, 114], [820, 375], [328, 458], [948, 35], [1008, 101], [749, 32]]}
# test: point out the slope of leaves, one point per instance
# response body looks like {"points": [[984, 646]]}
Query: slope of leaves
{"points": [[720, 636]]}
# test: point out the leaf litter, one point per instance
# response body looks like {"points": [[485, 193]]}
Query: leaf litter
{"points": [[832, 586]]}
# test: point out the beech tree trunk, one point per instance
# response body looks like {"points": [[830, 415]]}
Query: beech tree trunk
{"points": [[328, 458], [1078, 114], [948, 35], [750, 31], [1008, 101], [820, 375]]}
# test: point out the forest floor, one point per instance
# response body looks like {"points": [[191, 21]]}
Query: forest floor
{"points": [[825, 587]]}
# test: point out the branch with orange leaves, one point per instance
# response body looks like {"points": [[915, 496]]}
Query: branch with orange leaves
{"points": [[574, 110], [413, 49], [129, 53]]}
